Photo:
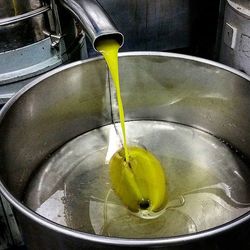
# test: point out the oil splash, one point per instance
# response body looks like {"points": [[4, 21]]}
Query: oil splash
{"points": [[140, 183]]}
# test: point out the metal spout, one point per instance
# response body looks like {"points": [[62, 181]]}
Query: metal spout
{"points": [[94, 20]]}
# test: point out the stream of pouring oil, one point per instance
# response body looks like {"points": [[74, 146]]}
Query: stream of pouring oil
{"points": [[137, 176]]}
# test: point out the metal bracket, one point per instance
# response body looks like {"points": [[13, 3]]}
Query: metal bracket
{"points": [[55, 39], [230, 35]]}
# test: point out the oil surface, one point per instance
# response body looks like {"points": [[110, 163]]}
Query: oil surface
{"points": [[208, 182], [137, 177], [140, 183]]}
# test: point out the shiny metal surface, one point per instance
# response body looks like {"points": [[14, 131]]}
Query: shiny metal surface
{"points": [[18, 18], [235, 44], [241, 4], [17, 7], [203, 175], [21, 23], [94, 20], [45, 37], [36, 41], [20, 34], [76, 98]]}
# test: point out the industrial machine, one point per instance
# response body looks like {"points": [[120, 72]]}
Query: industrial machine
{"points": [[34, 38], [235, 42]]}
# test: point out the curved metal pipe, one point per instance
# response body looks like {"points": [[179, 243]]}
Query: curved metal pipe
{"points": [[94, 20]]}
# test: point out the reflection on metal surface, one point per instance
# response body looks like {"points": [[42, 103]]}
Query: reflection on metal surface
{"points": [[21, 23], [199, 168], [235, 45], [78, 100], [17, 7], [23, 33], [94, 20], [241, 6], [33, 42], [15, 19]]}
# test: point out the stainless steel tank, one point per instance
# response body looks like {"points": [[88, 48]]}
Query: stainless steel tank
{"points": [[33, 40], [21, 23], [235, 44], [156, 87]]}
